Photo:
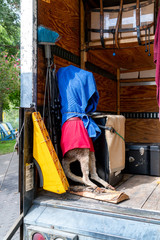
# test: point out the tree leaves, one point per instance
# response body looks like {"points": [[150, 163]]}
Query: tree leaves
{"points": [[9, 79], [9, 25], [9, 53]]}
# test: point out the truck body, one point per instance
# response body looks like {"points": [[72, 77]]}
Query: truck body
{"points": [[125, 79]]}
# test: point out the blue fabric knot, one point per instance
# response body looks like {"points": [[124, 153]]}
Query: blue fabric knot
{"points": [[78, 96]]}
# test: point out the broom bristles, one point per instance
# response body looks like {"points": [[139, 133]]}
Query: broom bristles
{"points": [[47, 36]]}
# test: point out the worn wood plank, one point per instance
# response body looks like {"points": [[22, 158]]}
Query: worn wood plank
{"points": [[142, 130], [138, 188], [154, 200]]}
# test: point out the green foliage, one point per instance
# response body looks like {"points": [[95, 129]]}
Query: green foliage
{"points": [[9, 53], [9, 26], [9, 80]]}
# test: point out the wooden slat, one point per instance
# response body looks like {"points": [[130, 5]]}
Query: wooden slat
{"points": [[138, 188], [142, 130], [139, 105], [137, 80], [138, 92], [138, 99], [154, 200]]}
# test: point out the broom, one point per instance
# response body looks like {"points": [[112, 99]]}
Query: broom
{"points": [[47, 38]]}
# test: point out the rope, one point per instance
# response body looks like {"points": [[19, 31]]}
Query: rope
{"points": [[119, 135], [11, 158]]}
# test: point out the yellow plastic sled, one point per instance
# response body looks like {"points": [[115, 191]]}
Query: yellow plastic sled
{"points": [[54, 179]]}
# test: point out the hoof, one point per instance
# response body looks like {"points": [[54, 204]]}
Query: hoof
{"points": [[110, 187]]}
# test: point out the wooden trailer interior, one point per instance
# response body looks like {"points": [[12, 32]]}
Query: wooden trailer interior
{"points": [[125, 82]]}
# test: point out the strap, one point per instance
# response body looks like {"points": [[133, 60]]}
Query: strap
{"points": [[138, 21], [101, 24], [111, 129], [119, 19], [149, 54]]}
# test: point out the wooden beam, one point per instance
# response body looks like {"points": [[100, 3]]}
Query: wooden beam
{"points": [[137, 80]]}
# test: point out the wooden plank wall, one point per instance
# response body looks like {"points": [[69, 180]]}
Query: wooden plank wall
{"points": [[140, 99], [107, 88], [107, 92], [61, 16], [142, 130]]}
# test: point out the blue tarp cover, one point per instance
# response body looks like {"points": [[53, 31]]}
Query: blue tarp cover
{"points": [[78, 96]]}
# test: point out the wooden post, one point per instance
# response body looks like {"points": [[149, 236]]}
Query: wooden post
{"points": [[118, 91], [82, 35]]}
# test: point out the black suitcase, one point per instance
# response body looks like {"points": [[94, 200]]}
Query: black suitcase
{"points": [[137, 159], [102, 156], [155, 160]]}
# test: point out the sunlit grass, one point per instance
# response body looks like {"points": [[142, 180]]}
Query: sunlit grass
{"points": [[7, 146]]}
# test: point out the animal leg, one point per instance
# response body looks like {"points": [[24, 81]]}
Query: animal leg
{"points": [[69, 174], [84, 162], [94, 175]]}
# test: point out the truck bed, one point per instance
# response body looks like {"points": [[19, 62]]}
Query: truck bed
{"points": [[88, 219], [143, 192]]}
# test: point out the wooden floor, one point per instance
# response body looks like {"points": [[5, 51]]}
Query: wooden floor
{"points": [[143, 191]]}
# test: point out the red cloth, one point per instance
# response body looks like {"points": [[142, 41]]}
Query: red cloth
{"points": [[74, 135], [157, 58]]}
